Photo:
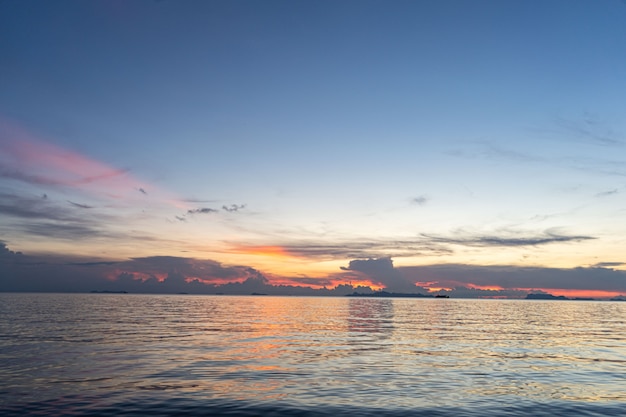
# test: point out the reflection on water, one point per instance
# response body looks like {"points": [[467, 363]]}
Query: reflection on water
{"points": [[101, 353], [370, 316]]}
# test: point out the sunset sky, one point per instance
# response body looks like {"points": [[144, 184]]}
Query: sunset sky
{"points": [[473, 146]]}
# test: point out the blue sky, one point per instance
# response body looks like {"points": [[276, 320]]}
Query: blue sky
{"points": [[473, 133]]}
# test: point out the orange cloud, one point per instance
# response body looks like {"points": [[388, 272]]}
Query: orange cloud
{"points": [[484, 287]]}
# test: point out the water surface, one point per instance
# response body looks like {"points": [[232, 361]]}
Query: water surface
{"points": [[127, 354]]}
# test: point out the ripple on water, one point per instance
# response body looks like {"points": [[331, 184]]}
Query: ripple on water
{"points": [[197, 355]]}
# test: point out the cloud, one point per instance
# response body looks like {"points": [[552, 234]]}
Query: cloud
{"points": [[233, 208], [491, 150], [422, 245], [33, 161], [420, 200], [142, 191], [65, 231], [607, 193], [608, 264], [203, 210], [83, 206], [170, 274], [36, 216], [508, 277], [348, 249], [590, 128], [156, 274], [40, 163], [30, 207], [506, 240], [382, 272]]}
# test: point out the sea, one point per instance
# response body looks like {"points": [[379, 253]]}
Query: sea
{"points": [[196, 355]]}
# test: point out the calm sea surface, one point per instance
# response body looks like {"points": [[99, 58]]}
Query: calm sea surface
{"points": [[105, 354]]}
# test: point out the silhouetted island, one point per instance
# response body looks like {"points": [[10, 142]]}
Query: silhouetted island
{"points": [[542, 296], [395, 295]]}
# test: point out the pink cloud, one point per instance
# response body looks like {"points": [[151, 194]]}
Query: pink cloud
{"points": [[28, 159]]}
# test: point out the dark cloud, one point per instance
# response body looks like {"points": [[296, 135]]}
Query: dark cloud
{"points": [[5, 252], [83, 206], [203, 210], [39, 216], [233, 208], [382, 272], [363, 249], [31, 207], [66, 231], [142, 191], [607, 193], [608, 264], [420, 200], [510, 277], [181, 219], [310, 281], [171, 274], [424, 244], [506, 240]]}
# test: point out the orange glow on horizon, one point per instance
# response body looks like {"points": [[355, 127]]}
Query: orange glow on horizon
{"points": [[485, 287], [572, 293], [263, 250]]}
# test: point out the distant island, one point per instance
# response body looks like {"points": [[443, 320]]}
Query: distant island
{"points": [[387, 294], [544, 296]]}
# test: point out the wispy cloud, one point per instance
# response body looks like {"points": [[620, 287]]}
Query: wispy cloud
{"points": [[607, 193], [32, 207], [590, 128], [345, 249], [233, 208], [33, 161], [64, 231], [83, 206], [608, 264], [492, 150], [505, 240], [420, 200], [422, 245], [203, 210]]}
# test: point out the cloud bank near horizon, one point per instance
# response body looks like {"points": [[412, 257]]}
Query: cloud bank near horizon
{"points": [[170, 274]]}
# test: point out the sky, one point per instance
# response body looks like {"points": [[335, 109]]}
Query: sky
{"points": [[473, 148]]}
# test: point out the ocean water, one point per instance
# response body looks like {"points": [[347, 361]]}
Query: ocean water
{"points": [[161, 355]]}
